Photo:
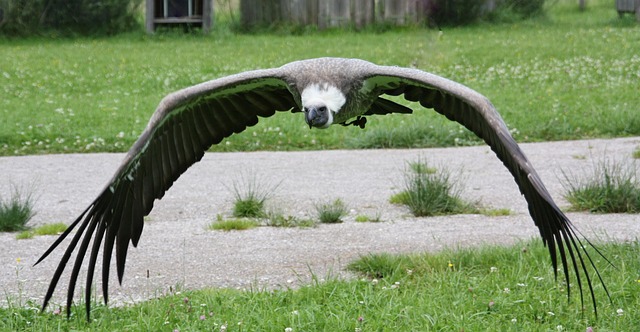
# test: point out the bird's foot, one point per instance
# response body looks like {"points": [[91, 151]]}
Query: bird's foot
{"points": [[360, 121]]}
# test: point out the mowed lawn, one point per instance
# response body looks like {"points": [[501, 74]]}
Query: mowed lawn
{"points": [[570, 75]]}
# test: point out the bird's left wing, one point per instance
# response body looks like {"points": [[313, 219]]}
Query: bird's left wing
{"points": [[185, 124], [469, 108]]}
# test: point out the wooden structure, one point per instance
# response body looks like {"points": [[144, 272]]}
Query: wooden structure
{"points": [[321, 13], [628, 6], [330, 13], [403, 12], [194, 12]]}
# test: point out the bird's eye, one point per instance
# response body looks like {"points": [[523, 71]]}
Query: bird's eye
{"points": [[322, 109]]}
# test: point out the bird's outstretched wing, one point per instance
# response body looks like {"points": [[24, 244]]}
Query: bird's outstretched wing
{"points": [[185, 124], [469, 108]]}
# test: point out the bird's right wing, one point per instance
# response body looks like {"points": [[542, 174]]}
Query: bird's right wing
{"points": [[469, 108], [183, 127]]}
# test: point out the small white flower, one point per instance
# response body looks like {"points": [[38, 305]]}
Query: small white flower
{"points": [[550, 313], [620, 312], [514, 320], [493, 269], [288, 329], [374, 282], [506, 290], [560, 328]]}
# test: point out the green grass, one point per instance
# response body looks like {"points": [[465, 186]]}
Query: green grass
{"points": [[612, 187], [495, 212], [636, 153], [484, 288], [234, 224], [250, 196], [333, 212], [97, 94], [278, 219], [366, 218], [46, 229], [16, 211], [429, 191]]}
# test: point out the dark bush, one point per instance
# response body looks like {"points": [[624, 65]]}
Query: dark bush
{"points": [[455, 12], [83, 17], [462, 12], [20, 17]]}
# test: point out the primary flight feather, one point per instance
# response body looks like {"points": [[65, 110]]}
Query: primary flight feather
{"points": [[328, 91]]}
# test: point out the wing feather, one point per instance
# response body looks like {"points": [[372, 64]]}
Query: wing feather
{"points": [[476, 113], [184, 126]]}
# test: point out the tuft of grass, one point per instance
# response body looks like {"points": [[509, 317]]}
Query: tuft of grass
{"points": [[428, 192], [51, 229], [16, 212], [495, 212], [278, 219], [24, 235], [365, 218], [636, 153], [612, 187], [250, 196], [236, 224], [329, 213], [46, 229]]}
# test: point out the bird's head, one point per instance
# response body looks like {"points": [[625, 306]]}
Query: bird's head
{"points": [[320, 103]]}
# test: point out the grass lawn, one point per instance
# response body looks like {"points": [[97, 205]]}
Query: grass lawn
{"points": [[567, 76], [480, 289]]}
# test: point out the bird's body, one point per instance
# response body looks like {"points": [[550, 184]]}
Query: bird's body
{"points": [[328, 91]]}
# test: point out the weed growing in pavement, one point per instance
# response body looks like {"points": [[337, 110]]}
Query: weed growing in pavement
{"points": [[429, 191], [612, 187], [365, 218], [276, 218], [250, 196], [46, 229], [16, 211], [329, 213], [234, 224]]}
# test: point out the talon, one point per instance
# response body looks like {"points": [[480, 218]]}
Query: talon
{"points": [[360, 121]]}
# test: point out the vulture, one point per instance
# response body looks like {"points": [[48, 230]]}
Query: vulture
{"points": [[328, 91]]}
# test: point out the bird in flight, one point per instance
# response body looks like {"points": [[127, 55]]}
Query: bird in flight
{"points": [[327, 91]]}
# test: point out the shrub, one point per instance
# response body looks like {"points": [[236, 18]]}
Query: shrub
{"points": [[462, 12], [84, 17]]}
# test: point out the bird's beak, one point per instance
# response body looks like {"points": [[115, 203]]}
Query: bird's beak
{"points": [[310, 116]]}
